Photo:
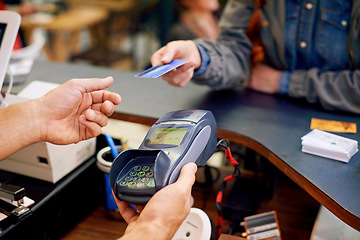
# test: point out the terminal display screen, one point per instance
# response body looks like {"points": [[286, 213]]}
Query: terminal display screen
{"points": [[168, 136]]}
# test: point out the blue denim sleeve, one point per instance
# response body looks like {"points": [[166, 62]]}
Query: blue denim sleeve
{"points": [[284, 82], [205, 60]]}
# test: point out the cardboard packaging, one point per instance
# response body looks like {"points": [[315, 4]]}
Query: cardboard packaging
{"points": [[47, 161]]}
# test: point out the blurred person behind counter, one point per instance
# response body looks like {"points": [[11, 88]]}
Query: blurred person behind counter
{"points": [[197, 19]]}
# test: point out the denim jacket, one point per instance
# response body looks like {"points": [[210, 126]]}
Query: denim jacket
{"points": [[229, 57]]}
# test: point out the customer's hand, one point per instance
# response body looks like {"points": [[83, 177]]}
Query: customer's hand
{"points": [[76, 110], [186, 50], [264, 79], [164, 213]]}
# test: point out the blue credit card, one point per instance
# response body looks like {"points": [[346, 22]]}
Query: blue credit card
{"points": [[161, 69]]}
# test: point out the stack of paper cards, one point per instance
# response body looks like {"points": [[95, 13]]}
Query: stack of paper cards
{"points": [[329, 145]]}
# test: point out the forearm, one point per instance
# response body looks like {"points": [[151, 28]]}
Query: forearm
{"points": [[226, 69], [19, 127], [333, 90], [147, 230]]}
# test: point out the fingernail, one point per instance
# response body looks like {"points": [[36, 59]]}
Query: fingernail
{"points": [[194, 167], [90, 115], [164, 58]]}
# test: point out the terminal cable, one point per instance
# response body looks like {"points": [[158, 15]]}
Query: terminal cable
{"points": [[236, 174]]}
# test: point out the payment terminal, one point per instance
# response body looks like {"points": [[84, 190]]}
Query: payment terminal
{"points": [[175, 139]]}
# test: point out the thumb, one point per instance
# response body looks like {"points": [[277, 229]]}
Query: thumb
{"points": [[93, 84], [169, 52], [187, 175]]}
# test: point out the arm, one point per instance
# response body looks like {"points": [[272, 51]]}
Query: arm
{"points": [[72, 112], [164, 213], [333, 90], [338, 90], [229, 55]]}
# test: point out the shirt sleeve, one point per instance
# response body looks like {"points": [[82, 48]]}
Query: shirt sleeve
{"points": [[334, 90], [205, 60], [284, 82]]}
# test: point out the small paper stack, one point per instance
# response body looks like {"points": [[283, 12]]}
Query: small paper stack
{"points": [[329, 145]]}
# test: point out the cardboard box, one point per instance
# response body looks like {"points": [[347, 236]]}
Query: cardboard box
{"points": [[47, 161]]}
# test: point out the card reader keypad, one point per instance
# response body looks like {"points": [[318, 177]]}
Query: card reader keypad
{"points": [[140, 176]]}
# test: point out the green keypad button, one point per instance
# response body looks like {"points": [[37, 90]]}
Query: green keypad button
{"points": [[151, 184], [145, 179], [123, 183], [128, 179], [141, 174], [140, 185], [136, 179], [137, 168], [131, 184], [145, 168]]}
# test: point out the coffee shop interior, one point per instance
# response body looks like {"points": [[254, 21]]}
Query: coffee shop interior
{"points": [[121, 35]]}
